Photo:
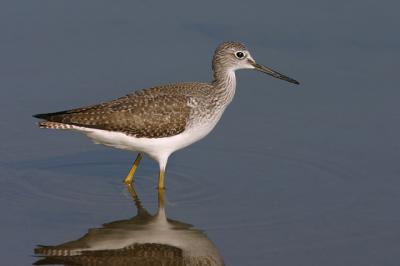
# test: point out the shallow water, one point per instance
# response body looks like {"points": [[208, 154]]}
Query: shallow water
{"points": [[292, 175]]}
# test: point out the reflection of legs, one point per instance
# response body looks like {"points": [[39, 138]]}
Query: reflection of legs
{"points": [[132, 191], [161, 210], [129, 178], [141, 211]]}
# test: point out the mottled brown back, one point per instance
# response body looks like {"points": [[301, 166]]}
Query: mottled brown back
{"points": [[152, 113]]}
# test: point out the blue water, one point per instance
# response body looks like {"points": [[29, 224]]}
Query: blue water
{"points": [[292, 175]]}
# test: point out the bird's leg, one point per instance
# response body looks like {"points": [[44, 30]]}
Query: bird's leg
{"points": [[161, 179], [163, 164], [161, 199], [129, 178]]}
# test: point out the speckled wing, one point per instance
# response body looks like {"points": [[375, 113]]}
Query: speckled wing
{"points": [[150, 113]]}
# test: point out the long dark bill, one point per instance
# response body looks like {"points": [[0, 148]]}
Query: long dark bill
{"points": [[273, 73]]}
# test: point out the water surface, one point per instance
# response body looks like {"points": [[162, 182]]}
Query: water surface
{"points": [[292, 175]]}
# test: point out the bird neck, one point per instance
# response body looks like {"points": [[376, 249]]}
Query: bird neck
{"points": [[225, 85]]}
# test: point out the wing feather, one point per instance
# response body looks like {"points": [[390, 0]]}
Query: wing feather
{"points": [[151, 113]]}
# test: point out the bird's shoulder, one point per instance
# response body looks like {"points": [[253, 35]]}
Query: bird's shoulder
{"points": [[184, 89], [170, 96]]}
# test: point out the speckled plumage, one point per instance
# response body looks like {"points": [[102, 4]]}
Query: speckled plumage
{"points": [[152, 113], [161, 120]]}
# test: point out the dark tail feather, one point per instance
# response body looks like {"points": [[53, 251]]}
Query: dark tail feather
{"points": [[50, 116], [52, 120], [42, 116]]}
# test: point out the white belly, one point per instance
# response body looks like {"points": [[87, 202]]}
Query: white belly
{"points": [[157, 148]]}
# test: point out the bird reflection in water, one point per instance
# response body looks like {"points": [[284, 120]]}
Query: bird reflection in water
{"points": [[142, 240]]}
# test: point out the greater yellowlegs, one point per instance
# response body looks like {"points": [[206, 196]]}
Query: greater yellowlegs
{"points": [[160, 120]]}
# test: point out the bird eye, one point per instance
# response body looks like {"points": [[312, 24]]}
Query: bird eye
{"points": [[239, 55]]}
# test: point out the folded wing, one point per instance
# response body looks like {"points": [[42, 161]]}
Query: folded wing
{"points": [[151, 113]]}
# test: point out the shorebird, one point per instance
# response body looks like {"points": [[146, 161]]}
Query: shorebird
{"points": [[161, 120]]}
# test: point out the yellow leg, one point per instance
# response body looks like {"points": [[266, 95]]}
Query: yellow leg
{"points": [[161, 199], [129, 178], [161, 179]]}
